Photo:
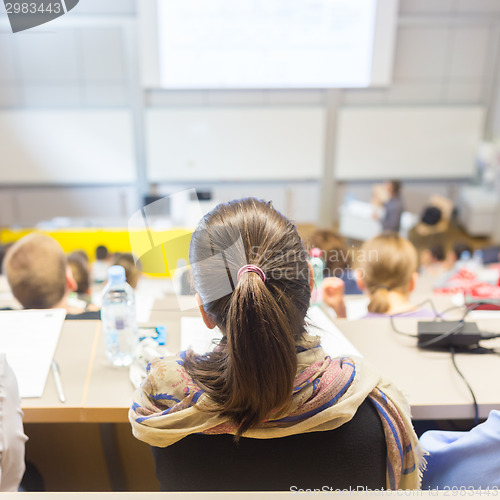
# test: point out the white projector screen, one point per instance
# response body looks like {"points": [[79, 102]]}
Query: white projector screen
{"points": [[227, 44]]}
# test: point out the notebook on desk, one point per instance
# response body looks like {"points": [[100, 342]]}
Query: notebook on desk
{"points": [[29, 339]]}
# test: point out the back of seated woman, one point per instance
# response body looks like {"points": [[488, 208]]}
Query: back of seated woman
{"points": [[387, 274], [267, 408]]}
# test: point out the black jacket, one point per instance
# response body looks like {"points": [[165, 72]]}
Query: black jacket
{"points": [[354, 455]]}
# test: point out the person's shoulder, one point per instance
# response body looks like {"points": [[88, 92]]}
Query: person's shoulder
{"points": [[166, 365], [167, 375], [491, 426]]}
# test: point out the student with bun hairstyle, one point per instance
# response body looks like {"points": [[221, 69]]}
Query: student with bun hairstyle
{"points": [[214, 418], [388, 274]]}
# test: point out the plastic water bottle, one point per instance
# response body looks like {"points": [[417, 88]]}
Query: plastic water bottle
{"points": [[118, 318], [464, 261], [477, 258], [318, 266]]}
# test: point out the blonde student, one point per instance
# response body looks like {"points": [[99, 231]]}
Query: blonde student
{"points": [[387, 273], [40, 278], [299, 418]]}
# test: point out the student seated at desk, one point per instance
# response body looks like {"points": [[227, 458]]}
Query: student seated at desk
{"points": [[338, 262], [39, 276], [81, 273], [459, 249], [101, 264], [267, 408], [133, 271], [388, 274], [433, 260]]}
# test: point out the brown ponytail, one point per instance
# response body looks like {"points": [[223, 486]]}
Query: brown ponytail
{"points": [[251, 375]]}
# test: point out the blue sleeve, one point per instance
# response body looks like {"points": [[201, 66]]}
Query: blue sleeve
{"points": [[467, 459]]}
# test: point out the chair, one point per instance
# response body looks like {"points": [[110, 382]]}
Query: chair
{"points": [[353, 455]]}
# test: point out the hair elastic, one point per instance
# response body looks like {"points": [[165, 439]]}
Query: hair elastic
{"points": [[382, 287], [249, 268]]}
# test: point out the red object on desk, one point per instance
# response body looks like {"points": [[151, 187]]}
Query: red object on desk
{"points": [[474, 290]]}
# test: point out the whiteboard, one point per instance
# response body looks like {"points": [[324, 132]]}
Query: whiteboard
{"points": [[235, 143], [408, 142], [66, 147]]}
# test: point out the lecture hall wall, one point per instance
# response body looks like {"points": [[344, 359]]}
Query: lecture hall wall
{"points": [[447, 52]]}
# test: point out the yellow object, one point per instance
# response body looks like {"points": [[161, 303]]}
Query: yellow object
{"points": [[152, 247]]}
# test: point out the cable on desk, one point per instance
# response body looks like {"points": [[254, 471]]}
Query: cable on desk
{"points": [[456, 328], [476, 409], [413, 308], [468, 307]]}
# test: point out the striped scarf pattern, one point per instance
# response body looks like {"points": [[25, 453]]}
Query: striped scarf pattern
{"points": [[320, 384]]}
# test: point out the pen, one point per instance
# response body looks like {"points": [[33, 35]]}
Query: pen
{"points": [[57, 378]]}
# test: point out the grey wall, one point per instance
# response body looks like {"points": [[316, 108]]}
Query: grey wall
{"points": [[447, 53]]}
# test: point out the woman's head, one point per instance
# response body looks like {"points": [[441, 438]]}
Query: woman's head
{"points": [[253, 372], [241, 232], [461, 247], [81, 273], [388, 263], [336, 254], [133, 269]]}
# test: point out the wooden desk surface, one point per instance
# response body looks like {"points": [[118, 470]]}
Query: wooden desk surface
{"points": [[98, 392], [74, 352], [428, 378]]}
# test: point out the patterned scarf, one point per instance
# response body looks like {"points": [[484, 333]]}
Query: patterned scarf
{"points": [[327, 394]]}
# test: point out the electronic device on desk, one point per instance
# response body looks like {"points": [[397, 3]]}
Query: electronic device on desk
{"points": [[455, 337], [460, 335]]}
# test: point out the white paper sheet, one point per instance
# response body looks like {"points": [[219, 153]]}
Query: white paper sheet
{"points": [[332, 339], [483, 314], [147, 292], [196, 336], [356, 308], [29, 339]]}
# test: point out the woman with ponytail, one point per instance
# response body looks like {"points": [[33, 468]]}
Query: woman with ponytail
{"points": [[214, 419], [387, 273]]}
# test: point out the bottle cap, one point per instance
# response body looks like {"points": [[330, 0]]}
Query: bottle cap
{"points": [[316, 252], [116, 275]]}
